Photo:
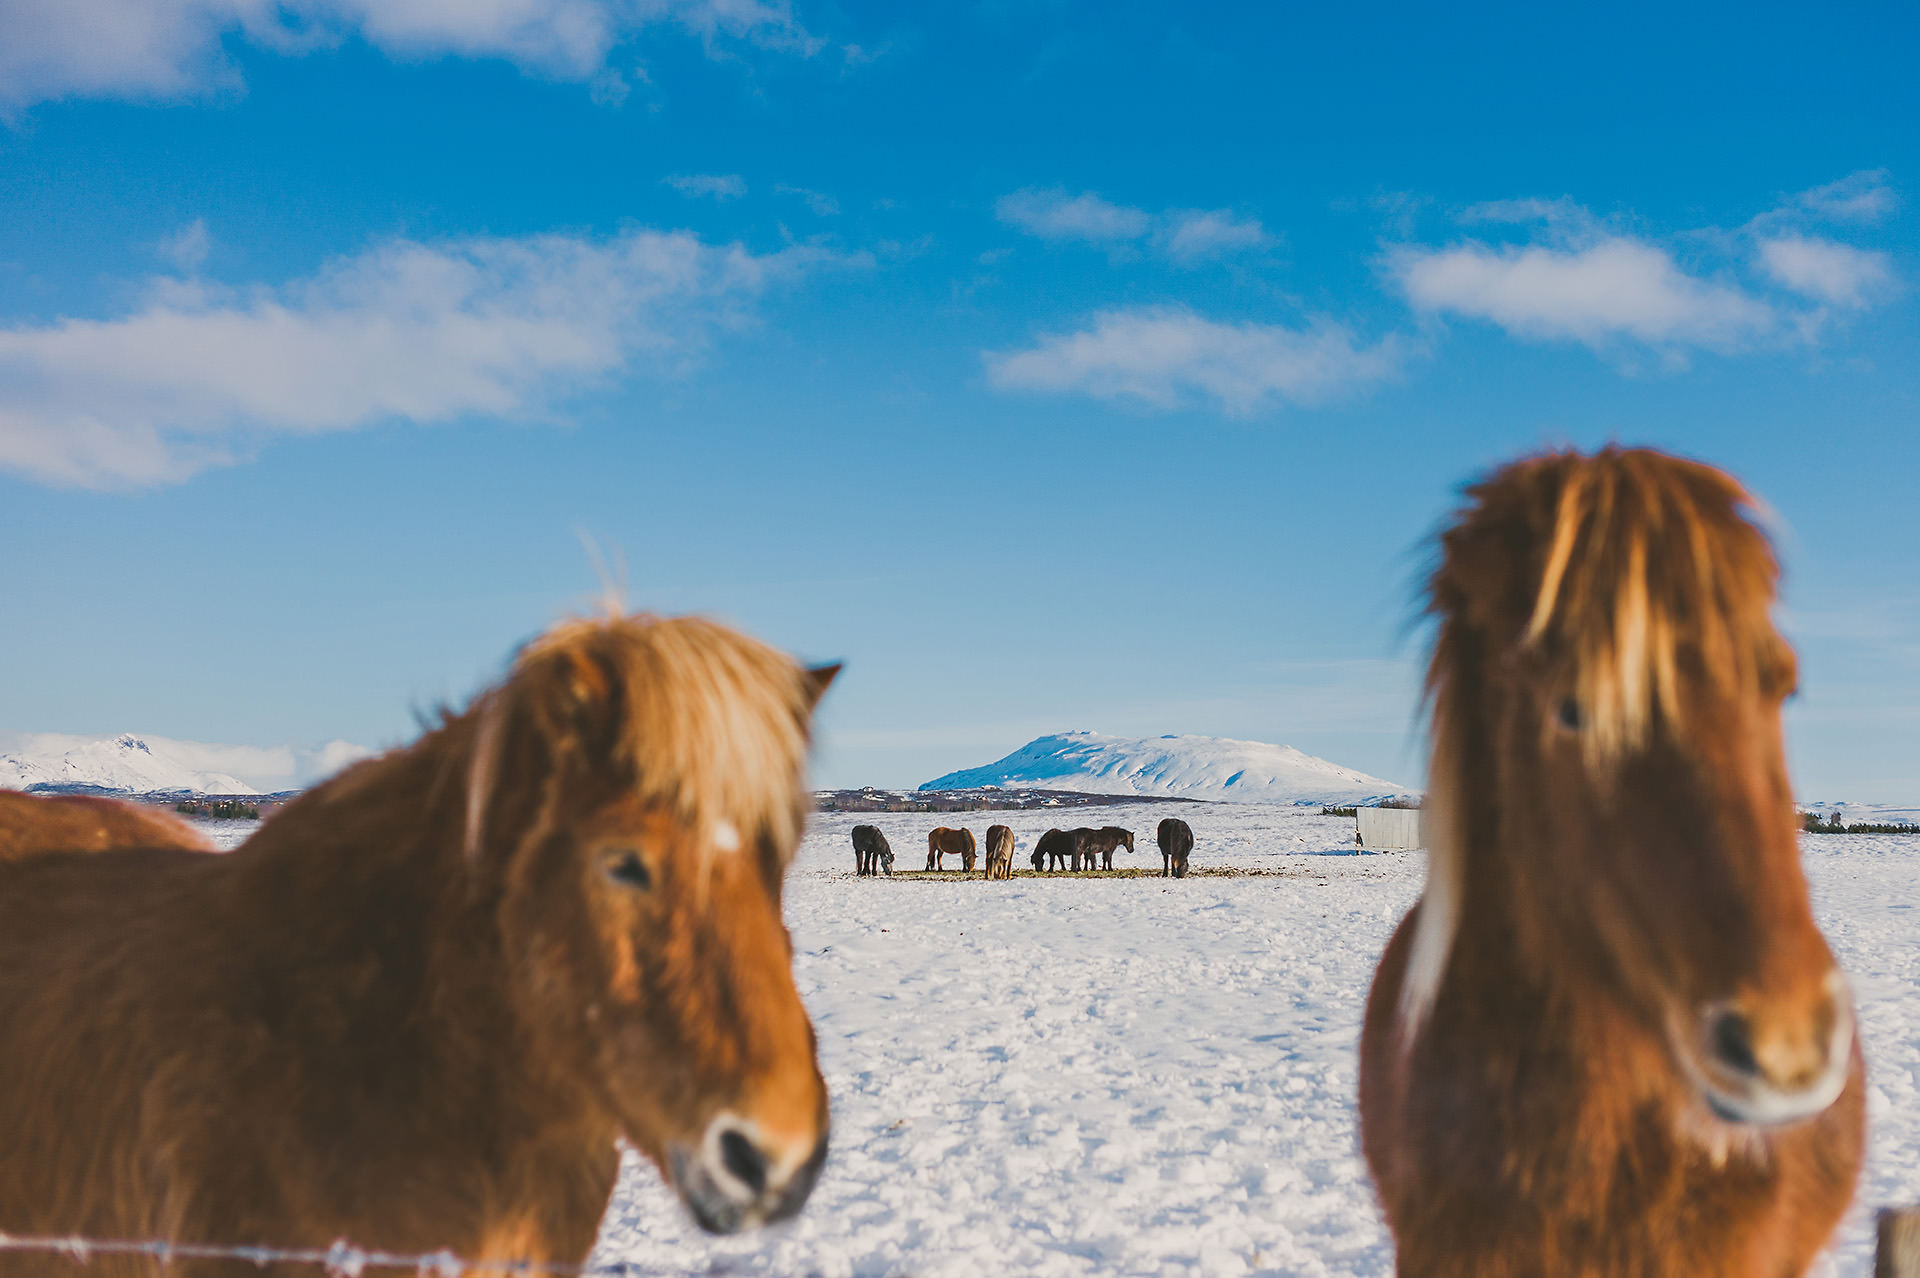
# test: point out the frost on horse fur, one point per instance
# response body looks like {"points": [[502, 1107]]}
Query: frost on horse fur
{"points": [[419, 1007], [1610, 1038]]}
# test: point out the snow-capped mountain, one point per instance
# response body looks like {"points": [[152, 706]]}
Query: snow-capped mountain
{"points": [[144, 764], [138, 765], [1183, 767]]}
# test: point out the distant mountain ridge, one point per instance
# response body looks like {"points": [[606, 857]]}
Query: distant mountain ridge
{"points": [[1185, 767], [125, 763], [140, 763]]}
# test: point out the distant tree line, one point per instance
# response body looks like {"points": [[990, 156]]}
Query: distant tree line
{"points": [[232, 809], [1812, 824]]}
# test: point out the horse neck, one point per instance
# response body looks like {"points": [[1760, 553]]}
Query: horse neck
{"points": [[366, 873]]}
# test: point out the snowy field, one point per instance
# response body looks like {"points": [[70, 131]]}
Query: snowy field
{"points": [[1150, 1077]]}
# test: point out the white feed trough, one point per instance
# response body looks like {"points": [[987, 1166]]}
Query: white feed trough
{"points": [[1389, 829]]}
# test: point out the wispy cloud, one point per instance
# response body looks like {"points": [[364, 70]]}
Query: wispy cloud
{"points": [[1195, 235], [717, 186], [187, 248], [172, 49], [1168, 356], [1866, 196], [822, 205], [1187, 236], [198, 375], [1055, 215], [1578, 277]]}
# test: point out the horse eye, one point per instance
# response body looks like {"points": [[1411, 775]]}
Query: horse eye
{"points": [[628, 870], [1570, 714]]}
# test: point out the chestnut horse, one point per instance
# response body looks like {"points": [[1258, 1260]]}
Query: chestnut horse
{"points": [[1609, 1039], [944, 840], [999, 852], [420, 1006], [31, 825]]}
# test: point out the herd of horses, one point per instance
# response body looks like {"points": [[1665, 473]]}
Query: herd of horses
{"points": [[423, 1004], [1075, 850]]}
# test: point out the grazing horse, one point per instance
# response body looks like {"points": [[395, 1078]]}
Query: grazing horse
{"points": [[999, 852], [421, 1006], [1176, 842], [959, 842], [31, 825], [1093, 849], [1609, 1039], [871, 853], [1053, 850]]}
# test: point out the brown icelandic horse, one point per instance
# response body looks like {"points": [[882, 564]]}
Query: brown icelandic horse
{"points": [[1052, 850], [420, 1007], [1176, 844], [999, 852], [31, 825], [1093, 849], [944, 840], [1609, 1039]]}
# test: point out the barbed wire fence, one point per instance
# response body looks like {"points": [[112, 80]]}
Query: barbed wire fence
{"points": [[341, 1260]]}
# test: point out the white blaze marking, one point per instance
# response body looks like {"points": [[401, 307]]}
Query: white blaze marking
{"points": [[725, 837]]}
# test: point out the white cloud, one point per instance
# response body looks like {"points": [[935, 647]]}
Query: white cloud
{"points": [[1186, 236], [170, 49], [1613, 288], [1865, 196], [718, 186], [1825, 271], [187, 248], [1194, 235], [405, 331], [1167, 356], [1054, 215], [822, 205]]}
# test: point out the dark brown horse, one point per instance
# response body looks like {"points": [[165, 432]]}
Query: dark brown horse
{"points": [[1093, 849], [871, 853], [999, 852], [419, 1008], [1176, 844], [30, 825], [1052, 850], [1609, 1039], [944, 840]]}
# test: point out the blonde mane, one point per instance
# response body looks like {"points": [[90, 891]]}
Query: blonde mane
{"points": [[697, 717], [1629, 572]]}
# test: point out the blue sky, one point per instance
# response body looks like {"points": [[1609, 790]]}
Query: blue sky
{"points": [[1055, 365]]}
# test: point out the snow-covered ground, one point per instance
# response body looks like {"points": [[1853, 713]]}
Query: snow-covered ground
{"points": [[1149, 1077], [1220, 769]]}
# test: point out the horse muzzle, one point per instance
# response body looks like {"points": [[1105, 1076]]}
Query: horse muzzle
{"points": [[1760, 1065], [738, 1179]]}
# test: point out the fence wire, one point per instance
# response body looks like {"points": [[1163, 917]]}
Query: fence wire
{"points": [[342, 1259]]}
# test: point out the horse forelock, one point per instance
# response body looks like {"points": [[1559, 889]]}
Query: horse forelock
{"points": [[689, 715], [1631, 570]]}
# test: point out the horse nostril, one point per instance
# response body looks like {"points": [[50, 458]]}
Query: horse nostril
{"points": [[746, 1162], [1732, 1039]]}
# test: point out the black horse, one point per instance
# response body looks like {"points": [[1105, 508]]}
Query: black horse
{"points": [[1176, 841], [871, 855], [1093, 849], [1052, 850]]}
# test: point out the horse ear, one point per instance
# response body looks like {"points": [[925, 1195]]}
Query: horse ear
{"points": [[817, 679]]}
